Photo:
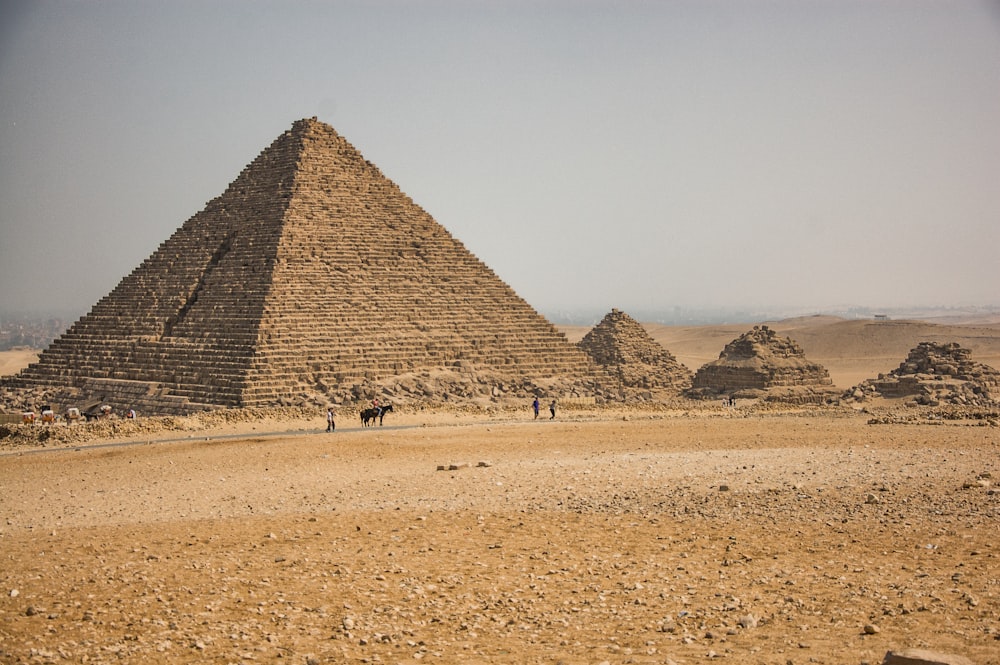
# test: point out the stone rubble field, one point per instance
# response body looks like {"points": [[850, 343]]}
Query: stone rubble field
{"points": [[742, 536]]}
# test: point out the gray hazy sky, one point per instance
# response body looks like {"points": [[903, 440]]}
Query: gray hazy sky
{"points": [[640, 155]]}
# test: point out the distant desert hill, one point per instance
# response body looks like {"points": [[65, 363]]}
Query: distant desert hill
{"points": [[851, 350], [14, 360]]}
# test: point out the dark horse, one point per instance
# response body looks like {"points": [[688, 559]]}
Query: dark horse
{"points": [[368, 416]]}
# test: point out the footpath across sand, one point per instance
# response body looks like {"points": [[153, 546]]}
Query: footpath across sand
{"points": [[630, 538]]}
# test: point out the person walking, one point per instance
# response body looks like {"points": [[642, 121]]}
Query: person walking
{"points": [[552, 410], [330, 415], [535, 405]]}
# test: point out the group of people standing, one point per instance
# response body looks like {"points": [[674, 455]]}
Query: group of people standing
{"points": [[536, 405], [331, 425]]}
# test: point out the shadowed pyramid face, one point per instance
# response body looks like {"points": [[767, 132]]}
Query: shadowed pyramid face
{"points": [[310, 273]]}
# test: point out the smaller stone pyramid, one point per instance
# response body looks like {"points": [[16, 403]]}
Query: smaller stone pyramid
{"points": [[935, 373], [758, 363], [623, 347]]}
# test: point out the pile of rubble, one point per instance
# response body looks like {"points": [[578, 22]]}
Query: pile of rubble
{"points": [[114, 427], [465, 383], [934, 374]]}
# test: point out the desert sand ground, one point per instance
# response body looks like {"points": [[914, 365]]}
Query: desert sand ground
{"points": [[619, 538], [604, 536]]}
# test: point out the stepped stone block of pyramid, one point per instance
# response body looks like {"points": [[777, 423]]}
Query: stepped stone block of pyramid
{"points": [[622, 346], [311, 273], [758, 363], [935, 372]]}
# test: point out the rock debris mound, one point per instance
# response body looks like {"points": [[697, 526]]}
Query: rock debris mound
{"points": [[933, 374], [623, 347], [760, 364]]}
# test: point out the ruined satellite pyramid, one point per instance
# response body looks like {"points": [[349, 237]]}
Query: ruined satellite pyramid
{"points": [[310, 274], [935, 373], [623, 347], [758, 363]]}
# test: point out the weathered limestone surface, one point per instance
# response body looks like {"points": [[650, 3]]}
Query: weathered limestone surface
{"points": [[935, 372], [622, 346], [759, 363], [310, 275], [923, 657]]}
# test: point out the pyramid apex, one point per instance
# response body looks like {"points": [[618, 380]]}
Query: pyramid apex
{"points": [[305, 125], [617, 315]]}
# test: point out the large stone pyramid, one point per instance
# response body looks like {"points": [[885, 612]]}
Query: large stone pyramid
{"points": [[758, 363], [935, 373], [622, 346], [311, 275]]}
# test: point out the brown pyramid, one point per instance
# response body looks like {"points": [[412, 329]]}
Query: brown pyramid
{"points": [[623, 347], [759, 363], [933, 373], [310, 274]]}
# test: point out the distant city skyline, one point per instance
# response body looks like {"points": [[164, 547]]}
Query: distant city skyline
{"points": [[770, 157]]}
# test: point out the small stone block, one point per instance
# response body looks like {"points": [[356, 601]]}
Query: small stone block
{"points": [[923, 657]]}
